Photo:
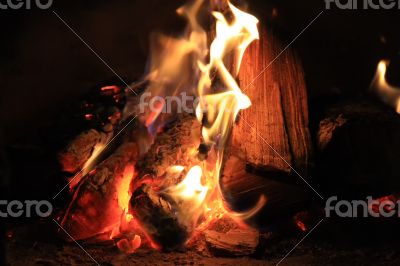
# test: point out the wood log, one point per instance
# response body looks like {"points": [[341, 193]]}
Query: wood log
{"points": [[359, 149], [227, 237], [79, 150], [178, 144], [236, 242], [96, 205], [158, 217], [275, 127]]}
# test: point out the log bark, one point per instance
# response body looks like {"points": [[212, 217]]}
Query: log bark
{"points": [[273, 132]]}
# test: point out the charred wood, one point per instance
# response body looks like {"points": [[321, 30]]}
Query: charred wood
{"points": [[96, 207]]}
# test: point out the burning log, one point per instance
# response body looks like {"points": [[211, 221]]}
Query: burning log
{"points": [[79, 150], [157, 216], [275, 127], [101, 113], [359, 149], [177, 145], [102, 196]]}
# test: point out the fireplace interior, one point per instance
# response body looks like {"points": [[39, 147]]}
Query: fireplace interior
{"points": [[291, 105]]}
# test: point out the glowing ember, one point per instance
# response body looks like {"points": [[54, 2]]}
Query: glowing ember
{"points": [[388, 94], [129, 246]]}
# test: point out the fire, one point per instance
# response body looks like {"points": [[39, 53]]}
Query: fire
{"points": [[387, 93], [198, 194], [222, 108], [191, 192], [191, 188], [124, 195]]}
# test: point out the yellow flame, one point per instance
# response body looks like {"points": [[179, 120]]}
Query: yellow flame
{"points": [[198, 194], [191, 188], [123, 191], [222, 108], [387, 93]]}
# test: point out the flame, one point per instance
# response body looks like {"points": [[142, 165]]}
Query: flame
{"points": [[191, 188], [222, 108], [124, 194], [173, 65], [91, 162], [198, 195], [387, 93], [188, 65]]}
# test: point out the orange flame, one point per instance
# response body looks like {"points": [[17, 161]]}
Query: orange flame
{"points": [[198, 195], [387, 93]]}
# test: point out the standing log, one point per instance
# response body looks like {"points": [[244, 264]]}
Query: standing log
{"points": [[275, 128]]}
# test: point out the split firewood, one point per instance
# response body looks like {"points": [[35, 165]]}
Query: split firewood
{"points": [[359, 149], [275, 127], [237, 242], [228, 237], [102, 196], [225, 237]]}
